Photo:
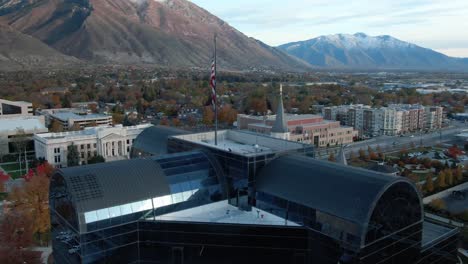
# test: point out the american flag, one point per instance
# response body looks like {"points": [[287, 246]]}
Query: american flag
{"points": [[213, 83]]}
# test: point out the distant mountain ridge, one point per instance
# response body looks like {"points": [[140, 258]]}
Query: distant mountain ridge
{"points": [[173, 33], [360, 51]]}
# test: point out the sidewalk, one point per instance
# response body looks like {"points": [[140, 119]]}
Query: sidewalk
{"points": [[46, 251]]}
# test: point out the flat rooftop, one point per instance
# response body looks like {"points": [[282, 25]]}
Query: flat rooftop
{"points": [[91, 131], [243, 142], [433, 233], [289, 117], [67, 115], [222, 212], [30, 123]]}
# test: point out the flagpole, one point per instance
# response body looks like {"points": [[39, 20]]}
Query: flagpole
{"points": [[216, 92]]}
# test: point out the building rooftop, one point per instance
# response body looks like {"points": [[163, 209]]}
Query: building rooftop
{"points": [[29, 123], [67, 115], [433, 233], [242, 142], [222, 212], [288, 117], [89, 131]]}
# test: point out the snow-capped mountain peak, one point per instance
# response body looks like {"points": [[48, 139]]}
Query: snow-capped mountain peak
{"points": [[360, 50]]}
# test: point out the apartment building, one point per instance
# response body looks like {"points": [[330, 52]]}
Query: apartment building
{"points": [[393, 120]]}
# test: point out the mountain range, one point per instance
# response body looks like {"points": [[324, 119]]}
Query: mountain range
{"points": [[179, 34], [173, 33], [360, 51], [19, 51]]}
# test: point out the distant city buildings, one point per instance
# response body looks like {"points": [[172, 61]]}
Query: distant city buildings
{"points": [[311, 129], [74, 117], [393, 120], [112, 143], [15, 108]]}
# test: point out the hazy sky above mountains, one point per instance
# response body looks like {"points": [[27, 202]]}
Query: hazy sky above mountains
{"points": [[439, 24]]}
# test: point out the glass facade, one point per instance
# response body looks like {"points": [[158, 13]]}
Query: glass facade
{"points": [[142, 230]]}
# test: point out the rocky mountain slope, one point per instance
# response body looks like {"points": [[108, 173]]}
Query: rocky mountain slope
{"points": [[174, 33], [19, 51]]}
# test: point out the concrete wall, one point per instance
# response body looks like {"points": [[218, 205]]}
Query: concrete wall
{"points": [[445, 193]]}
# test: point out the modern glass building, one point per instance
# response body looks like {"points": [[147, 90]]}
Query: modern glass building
{"points": [[251, 199]]}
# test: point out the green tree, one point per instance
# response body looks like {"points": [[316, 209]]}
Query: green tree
{"points": [[73, 156], [96, 159]]}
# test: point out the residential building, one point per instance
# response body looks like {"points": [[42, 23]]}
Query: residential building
{"points": [[392, 120], [311, 129], [434, 117], [17, 132], [15, 108], [348, 115], [250, 198], [110, 142], [372, 124], [69, 118]]}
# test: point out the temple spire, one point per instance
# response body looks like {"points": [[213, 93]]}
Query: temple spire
{"points": [[341, 159], [280, 126]]}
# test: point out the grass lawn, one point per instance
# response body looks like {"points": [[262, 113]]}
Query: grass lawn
{"points": [[13, 170]]}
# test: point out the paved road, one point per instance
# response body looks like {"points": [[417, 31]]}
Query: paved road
{"points": [[393, 143]]}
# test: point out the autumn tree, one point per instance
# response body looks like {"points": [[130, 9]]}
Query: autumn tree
{"points": [[208, 115], [438, 204], [458, 173], [164, 122], [332, 157], [373, 156], [227, 114], [56, 126], [352, 156], [117, 118], [176, 122], [192, 121], [73, 156], [362, 154], [441, 180], [3, 178], [16, 236], [429, 185], [449, 177], [32, 200]]}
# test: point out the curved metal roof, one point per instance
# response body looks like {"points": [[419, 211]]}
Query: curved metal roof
{"points": [[153, 140], [104, 185], [345, 192]]}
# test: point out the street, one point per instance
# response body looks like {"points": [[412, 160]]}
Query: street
{"points": [[394, 143]]}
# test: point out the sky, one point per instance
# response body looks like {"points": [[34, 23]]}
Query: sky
{"points": [[441, 25]]}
